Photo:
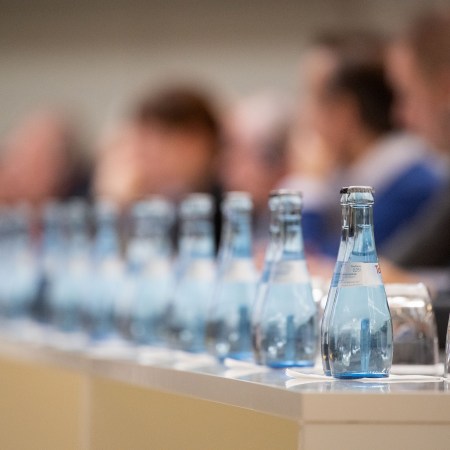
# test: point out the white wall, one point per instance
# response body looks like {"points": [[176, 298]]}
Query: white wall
{"points": [[93, 55]]}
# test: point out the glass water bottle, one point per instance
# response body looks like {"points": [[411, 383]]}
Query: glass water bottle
{"points": [[285, 324], [21, 270], [194, 275], [106, 275], [149, 268], [334, 282], [52, 256], [261, 288], [229, 329], [360, 325], [70, 289]]}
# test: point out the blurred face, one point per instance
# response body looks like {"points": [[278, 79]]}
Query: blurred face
{"points": [[176, 161], [153, 159], [119, 170], [35, 164], [422, 101], [317, 66], [335, 121], [332, 117], [243, 166]]}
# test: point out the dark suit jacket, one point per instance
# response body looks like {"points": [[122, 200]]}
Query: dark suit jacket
{"points": [[426, 243]]}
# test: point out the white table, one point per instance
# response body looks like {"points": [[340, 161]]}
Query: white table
{"points": [[107, 400]]}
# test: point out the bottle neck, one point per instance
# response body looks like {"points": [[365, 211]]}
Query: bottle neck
{"points": [[20, 240], [153, 235], [107, 241], [345, 211], [53, 240], [237, 236], [344, 231], [197, 238], [290, 236], [79, 239], [141, 251], [361, 232]]}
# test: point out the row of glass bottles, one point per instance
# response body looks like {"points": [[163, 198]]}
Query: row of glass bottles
{"points": [[19, 278], [222, 306], [82, 289], [79, 288]]}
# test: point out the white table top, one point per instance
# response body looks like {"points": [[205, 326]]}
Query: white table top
{"points": [[247, 386]]}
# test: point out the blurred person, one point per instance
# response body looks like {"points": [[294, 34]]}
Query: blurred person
{"points": [[312, 161], [419, 66], [120, 174], [179, 134], [255, 141], [353, 121], [357, 123], [42, 160], [309, 156], [168, 146]]}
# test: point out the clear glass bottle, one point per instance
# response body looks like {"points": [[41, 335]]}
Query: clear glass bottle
{"points": [[229, 329], [194, 276], [5, 256], [447, 353], [274, 242], [149, 257], [334, 282], [274, 231], [70, 288], [106, 278], [52, 256], [285, 325], [360, 327], [21, 266]]}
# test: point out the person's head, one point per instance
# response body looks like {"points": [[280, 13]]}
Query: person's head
{"points": [[329, 51], [355, 109], [255, 144], [43, 160], [419, 67], [120, 172], [177, 134]]}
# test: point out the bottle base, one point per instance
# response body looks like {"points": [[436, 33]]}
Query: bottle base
{"points": [[356, 375], [288, 364], [193, 350], [240, 356]]}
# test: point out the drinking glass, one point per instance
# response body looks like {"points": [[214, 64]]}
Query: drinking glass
{"points": [[447, 352], [415, 334]]}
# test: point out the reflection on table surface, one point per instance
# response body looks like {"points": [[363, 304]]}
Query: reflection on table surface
{"points": [[116, 357]]}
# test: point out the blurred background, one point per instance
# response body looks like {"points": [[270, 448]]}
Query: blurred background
{"points": [[91, 57], [118, 101], [122, 100]]}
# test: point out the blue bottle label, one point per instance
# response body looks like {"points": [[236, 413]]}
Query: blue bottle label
{"points": [[360, 274]]}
